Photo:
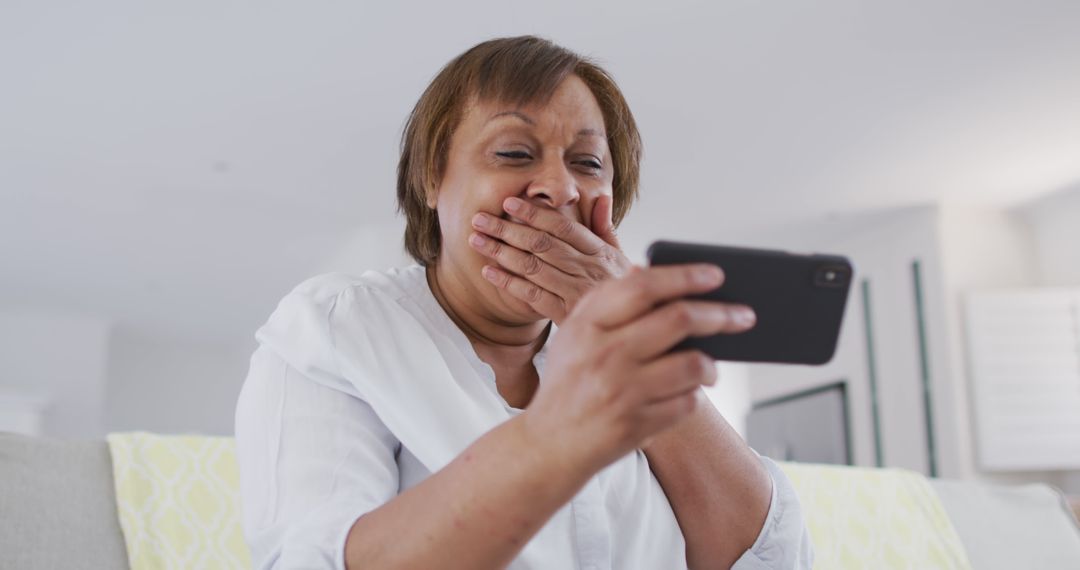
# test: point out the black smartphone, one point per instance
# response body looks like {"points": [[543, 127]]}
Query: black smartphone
{"points": [[799, 300]]}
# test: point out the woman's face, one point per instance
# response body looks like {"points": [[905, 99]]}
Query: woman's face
{"points": [[554, 155]]}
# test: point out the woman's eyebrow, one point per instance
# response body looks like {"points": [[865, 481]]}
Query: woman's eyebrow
{"points": [[517, 114]]}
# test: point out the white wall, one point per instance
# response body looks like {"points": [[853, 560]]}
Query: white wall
{"points": [[983, 247], [1055, 225], [167, 384], [370, 247], [173, 385], [94, 378], [988, 247], [61, 360]]}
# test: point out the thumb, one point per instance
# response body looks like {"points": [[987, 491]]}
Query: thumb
{"points": [[601, 222]]}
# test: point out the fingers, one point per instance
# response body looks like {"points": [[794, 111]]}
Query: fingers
{"points": [[602, 225], [525, 238], [541, 300], [523, 263], [660, 330], [619, 302], [674, 374], [518, 235], [577, 235], [662, 414]]}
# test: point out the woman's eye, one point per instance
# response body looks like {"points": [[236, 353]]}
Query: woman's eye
{"points": [[591, 164], [513, 154]]}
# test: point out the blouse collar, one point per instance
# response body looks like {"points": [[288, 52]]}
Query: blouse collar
{"points": [[415, 284]]}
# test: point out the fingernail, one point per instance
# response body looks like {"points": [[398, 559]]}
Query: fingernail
{"points": [[480, 221], [489, 273], [745, 316], [477, 240], [512, 204], [707, 275]]}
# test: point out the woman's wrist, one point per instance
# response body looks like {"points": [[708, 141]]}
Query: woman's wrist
{"points": [[565, 455]]}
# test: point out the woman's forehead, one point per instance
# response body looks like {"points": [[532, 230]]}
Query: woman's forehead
{"points": [[572, 105]]}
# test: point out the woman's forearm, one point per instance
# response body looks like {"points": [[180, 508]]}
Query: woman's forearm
{"points": [[716, 485], [478, 512]]}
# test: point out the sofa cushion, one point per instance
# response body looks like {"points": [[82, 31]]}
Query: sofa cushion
{"points": [[861, 517], [57, 505]]}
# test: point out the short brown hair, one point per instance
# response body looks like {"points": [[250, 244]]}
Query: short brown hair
{"points": [[519, 70]]}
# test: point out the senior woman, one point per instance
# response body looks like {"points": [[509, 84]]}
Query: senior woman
{"points": [[511, 399]]}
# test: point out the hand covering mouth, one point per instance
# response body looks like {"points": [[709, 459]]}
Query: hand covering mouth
{"points": [[507, 216]]}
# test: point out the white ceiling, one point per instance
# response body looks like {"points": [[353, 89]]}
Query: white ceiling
{"points": [[178, 167]]}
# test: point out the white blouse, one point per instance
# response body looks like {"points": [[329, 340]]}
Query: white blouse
{"points": [[361, 387]]}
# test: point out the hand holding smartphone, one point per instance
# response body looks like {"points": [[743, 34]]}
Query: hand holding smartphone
{"points": [[799, 301]]}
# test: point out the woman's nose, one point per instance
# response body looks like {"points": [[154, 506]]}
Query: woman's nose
{"points": [[555, 187]]}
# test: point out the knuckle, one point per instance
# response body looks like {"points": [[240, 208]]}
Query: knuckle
{"points": [[599, 271], [605, 392], [680, 315], [496, 248], [690, 275], [641, 286], [564, 227], [640, 296], [529, 213], [540, 243], [609, 393], [498, 227], [607, 256], [646, 281], [698, 365], [532, 265], [533, 294], [638, 279], [691, 365], [609, 353]]}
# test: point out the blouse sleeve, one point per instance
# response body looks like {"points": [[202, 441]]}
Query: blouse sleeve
{"points": [[313, 455], [784, 541]]}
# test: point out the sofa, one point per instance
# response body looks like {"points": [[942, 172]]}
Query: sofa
{"points": [[58, 509]]}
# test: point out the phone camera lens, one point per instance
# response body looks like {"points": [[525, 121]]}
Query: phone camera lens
{"points": [[831, 276]]}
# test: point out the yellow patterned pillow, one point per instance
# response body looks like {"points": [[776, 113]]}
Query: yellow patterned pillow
{"points": [[178, 501], [875, 518]]}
